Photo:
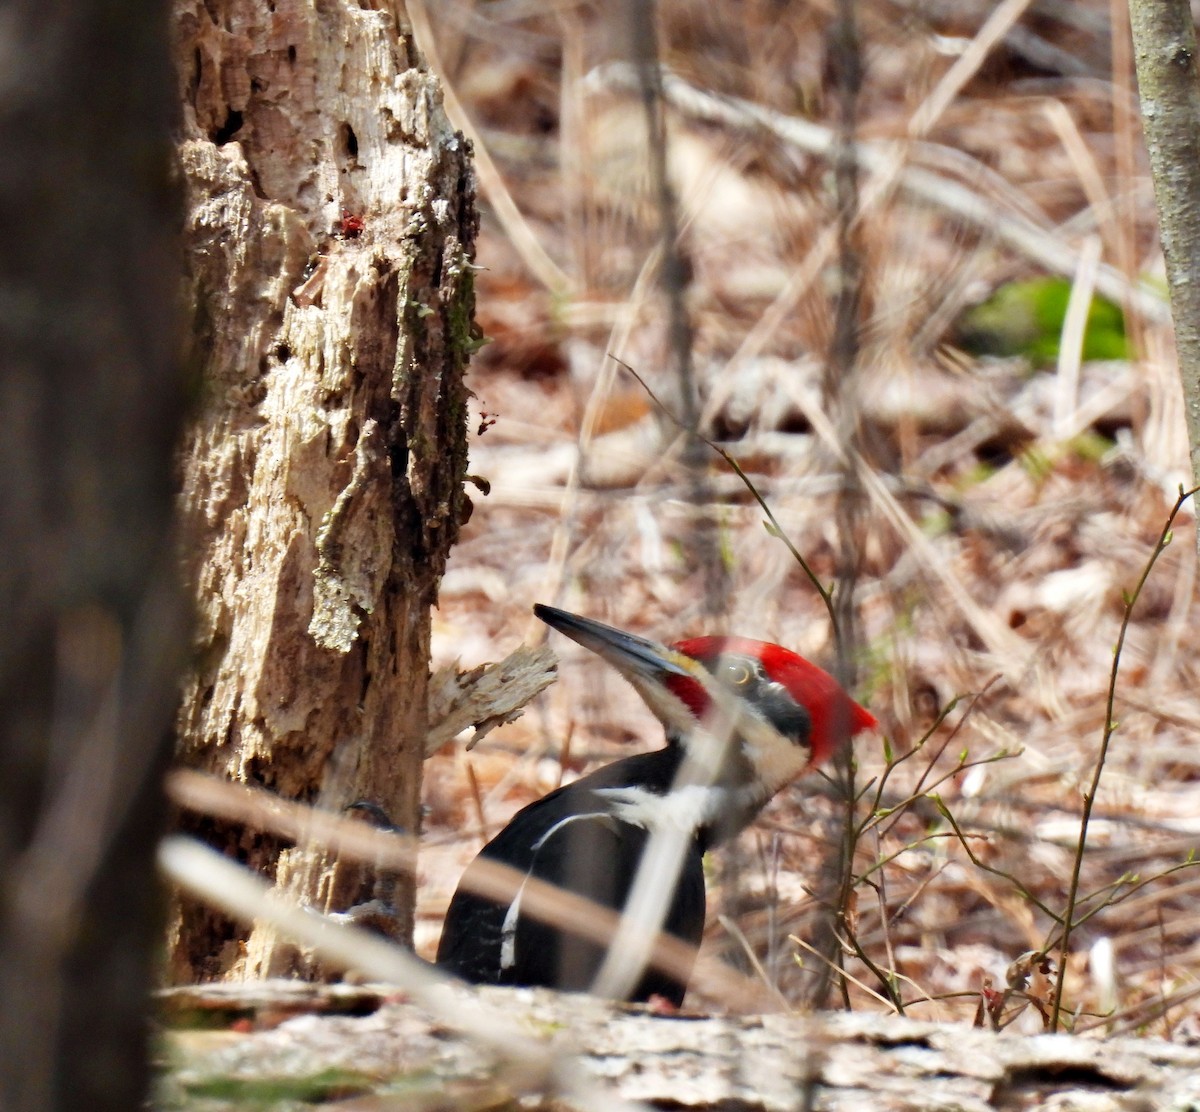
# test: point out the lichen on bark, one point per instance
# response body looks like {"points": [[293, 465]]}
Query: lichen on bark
{"points": [[322, 480]]}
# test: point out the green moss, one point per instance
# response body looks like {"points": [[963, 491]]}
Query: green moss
{"points": [[465, 337], [325, 1085]]}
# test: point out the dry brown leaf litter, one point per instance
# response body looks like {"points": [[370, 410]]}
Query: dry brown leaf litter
{"points": [[1041, 535]]}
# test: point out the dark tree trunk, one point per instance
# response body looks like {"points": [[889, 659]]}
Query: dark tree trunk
{"points": [[93, 631]]}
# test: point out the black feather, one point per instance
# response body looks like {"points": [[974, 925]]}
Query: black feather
{"points": [[595, 855]]}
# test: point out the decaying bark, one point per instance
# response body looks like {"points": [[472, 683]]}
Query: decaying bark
{"points": [[488, 696], [771, 1063], [329, 235]]}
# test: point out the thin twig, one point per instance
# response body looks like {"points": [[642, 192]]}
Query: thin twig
{"points": [[885, 926], [773, 527], [957, 727], [886, 978], [1116, 898], [980, 864], [477, 799], [242, 894], [841, 398], [673, 280], [838, 971], [1110, 727], [739, 936], [396, 851], [897, 809], [925, 839]]}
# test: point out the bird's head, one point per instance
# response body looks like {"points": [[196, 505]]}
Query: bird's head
{"points": [[785, 713]]}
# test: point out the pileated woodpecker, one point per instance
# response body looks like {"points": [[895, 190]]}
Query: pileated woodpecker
{"points": [[782, 715]]}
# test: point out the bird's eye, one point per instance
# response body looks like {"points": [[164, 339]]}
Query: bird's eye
{"points": [[736, 672]]}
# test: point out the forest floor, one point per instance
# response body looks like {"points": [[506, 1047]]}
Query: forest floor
{"points": [[997, 509]]}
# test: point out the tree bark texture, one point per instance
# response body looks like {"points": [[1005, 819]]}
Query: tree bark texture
{"points": [[1164, 41], [396, 1057], [329, 236], [91, 401]]}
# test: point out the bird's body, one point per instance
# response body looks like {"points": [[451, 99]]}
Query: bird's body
{"points": [[779, 714], [574, 838]]}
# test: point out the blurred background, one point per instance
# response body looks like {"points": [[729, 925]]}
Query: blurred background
{"points": [[1008, 438]]}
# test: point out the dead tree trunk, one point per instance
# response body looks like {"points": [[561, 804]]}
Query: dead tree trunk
{"points": [[329, 235], [578, 1052]]}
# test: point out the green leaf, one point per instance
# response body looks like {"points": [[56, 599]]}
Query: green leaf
{"points": [[1026, 318]]}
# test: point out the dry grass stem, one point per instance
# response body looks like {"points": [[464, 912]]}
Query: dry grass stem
{"points": [[535, 1067], [1007, 497], [394, 851]]}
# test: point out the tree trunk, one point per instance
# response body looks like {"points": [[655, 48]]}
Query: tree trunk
{"points": [[1164, 39], [329, 235], [91, 400]]}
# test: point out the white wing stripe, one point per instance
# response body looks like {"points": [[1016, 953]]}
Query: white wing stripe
{"points": [[567, 821], [508, 930]]}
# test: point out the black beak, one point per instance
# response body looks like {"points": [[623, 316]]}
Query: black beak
{"points": [[630, 655]]}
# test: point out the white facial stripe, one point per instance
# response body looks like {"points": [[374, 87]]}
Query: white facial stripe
{"points": [[666, 706], [776, 760]]}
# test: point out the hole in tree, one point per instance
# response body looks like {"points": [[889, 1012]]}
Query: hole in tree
{"points": [[349, 141], [231, 126]]}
